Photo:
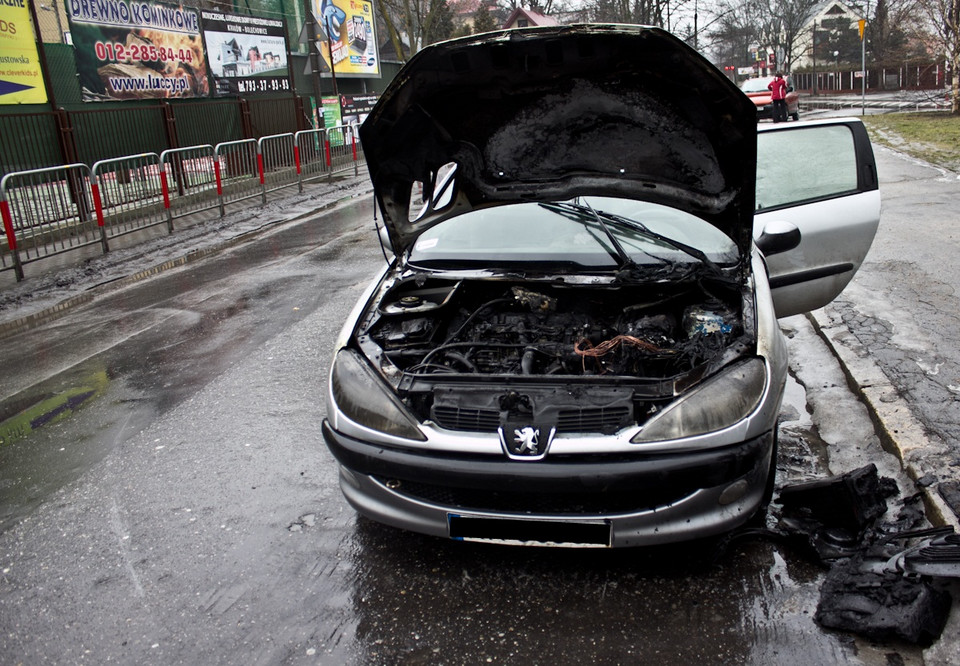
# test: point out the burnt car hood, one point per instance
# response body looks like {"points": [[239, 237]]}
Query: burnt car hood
{"points": [[552, 113]]}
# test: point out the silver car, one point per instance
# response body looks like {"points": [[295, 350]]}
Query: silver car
{"points": [[576, 341]]}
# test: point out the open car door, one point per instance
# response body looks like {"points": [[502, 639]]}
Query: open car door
{"points": [[820, 177]]}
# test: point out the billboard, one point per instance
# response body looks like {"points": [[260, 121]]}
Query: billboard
{"points": [[137, 50], [347, 37], [21, 79], [356, 108], [247, 54]]}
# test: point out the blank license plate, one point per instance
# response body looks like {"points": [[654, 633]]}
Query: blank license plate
{"points": [[583, 534]]}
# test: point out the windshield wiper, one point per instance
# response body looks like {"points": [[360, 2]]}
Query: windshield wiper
{"points": [[628, 269], [619, 255], [683, 247]]}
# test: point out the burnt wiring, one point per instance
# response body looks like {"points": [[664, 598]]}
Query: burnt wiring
{"points": [[528, 331], [586, 349]]}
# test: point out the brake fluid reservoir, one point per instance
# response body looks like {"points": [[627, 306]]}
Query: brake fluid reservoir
{"points": [[707, 320]]}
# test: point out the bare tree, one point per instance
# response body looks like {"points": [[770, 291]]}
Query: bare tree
{"points": [[644, 12], [419, 21], [944, 15], [730, 32], [775, 24], [784, 21]]}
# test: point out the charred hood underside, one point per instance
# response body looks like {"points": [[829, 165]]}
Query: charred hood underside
{"points": [[545, 114], [474, 354]]}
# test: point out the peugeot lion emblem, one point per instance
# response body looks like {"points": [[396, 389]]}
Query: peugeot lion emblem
{"points": [[527, 441]]}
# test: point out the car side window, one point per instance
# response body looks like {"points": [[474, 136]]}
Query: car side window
{"points": [[803, 165]]}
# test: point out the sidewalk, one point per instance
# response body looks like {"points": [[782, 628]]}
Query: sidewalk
{"points": [[899, 430], [55, 284]]}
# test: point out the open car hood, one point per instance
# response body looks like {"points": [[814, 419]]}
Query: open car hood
{"points": [[552, 113]]}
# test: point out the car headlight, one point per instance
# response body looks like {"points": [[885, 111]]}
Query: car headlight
{"points": [[365, 399], [719, 403]]}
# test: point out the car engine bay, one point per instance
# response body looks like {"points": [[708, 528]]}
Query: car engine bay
{"points": [[480, 353], [494, 327]]}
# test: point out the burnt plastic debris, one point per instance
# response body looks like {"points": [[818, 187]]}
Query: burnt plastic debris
{"points": [[889, 590], [851, 501], [830, 517], [950, 492], [882, 605], [938, 556], [884, 580]]}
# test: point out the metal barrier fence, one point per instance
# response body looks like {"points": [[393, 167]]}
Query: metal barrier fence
{"points": [[342, 150], [190, 181], [105, 131], [56, 209], [309, 150], [128, 194], [46, 212], [277, 162], [238, 174]]}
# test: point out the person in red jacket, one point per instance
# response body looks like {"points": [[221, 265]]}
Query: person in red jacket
{"points": [[778, 90]]}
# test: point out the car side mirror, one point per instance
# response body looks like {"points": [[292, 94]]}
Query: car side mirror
{"points": [[778, 236]]}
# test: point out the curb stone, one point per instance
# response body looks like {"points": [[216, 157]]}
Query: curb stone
{"points": [[899, 430]]}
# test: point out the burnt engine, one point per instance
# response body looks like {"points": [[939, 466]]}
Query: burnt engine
{"points": [[540, 329]]}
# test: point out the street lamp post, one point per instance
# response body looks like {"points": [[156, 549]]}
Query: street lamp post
{"points": [[836, 60], [863, 61], [814, 58]]}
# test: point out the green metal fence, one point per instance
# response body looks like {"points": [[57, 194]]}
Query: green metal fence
{"points": [[208, 122], [29, 141], [107, 133]]}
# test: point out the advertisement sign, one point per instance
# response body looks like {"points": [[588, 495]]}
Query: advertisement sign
{"points": [[21, 80], [331, 111], [247, 54], [345, 29], [356, 108], [137, 50]]}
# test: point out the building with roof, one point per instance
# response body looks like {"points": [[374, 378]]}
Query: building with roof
{"points": [[833, 13], [523, 18]]}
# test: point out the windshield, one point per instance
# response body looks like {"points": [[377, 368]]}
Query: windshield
{"points": [[574, 235], [755, 85]]}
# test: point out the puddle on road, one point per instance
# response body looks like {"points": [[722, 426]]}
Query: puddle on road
{"points": [[19, 421], [57, 429], [802, 453], [72, 423]]}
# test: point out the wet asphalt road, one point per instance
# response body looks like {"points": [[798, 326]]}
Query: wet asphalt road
{"points": [[186, 510]]}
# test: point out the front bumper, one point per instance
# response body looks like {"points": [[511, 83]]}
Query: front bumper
{"points": [[635, 500]]}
